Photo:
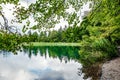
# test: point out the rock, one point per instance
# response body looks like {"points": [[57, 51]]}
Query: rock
{"points": [[111, 70], [118, 50]]}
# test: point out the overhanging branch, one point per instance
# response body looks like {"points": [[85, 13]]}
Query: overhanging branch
{"points": [[5, 21]]}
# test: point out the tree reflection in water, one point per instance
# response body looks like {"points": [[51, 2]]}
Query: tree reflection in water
{"points": [[63, 53]]}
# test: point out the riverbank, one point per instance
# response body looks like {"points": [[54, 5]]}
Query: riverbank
{"points": [[51, 44], [109, 70]]}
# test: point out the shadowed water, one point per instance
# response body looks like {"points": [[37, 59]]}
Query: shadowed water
{"points": [[41, 63]]}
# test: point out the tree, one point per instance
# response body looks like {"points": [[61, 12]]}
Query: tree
{"points": [[46, 13], [49, 12], [5, 26], [101, 32]]}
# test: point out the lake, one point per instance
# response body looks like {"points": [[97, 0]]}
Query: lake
{"points": [[41, 63]]}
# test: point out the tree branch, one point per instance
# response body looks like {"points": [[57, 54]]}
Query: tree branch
{"points": [[5, 21], [2, 27]]}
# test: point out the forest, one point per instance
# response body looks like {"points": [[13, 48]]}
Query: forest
{"points": [[98, 33]]}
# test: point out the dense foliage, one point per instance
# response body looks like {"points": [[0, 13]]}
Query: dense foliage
{"points": [[102, 26], [10, 42]]}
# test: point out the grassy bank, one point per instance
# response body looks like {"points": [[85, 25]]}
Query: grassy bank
{"points": [[51, 44]]}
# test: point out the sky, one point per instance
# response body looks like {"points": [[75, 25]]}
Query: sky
{"points": [[8, 11]]}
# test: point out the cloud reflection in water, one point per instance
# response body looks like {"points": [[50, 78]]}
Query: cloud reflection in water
{"points": [[21, 67]]}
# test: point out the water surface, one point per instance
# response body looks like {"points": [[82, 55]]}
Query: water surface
{"points": [[41, 63]]}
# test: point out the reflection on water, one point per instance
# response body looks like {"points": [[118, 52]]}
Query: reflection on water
{"points": [[65, 53], [41, 63]]}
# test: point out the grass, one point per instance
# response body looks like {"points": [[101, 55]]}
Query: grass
{"points": [[51, 44]]}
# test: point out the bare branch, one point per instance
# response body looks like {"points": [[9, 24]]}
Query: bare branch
{"points": [[2, 27], [6, 27], [5, 21]]}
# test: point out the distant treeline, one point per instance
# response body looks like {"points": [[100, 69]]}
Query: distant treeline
{"points": [[70, 34]]}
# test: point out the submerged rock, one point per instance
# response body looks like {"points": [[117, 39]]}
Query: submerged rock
{"points": [[111, 70]]}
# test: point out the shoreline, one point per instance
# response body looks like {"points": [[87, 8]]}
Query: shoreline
{"points": [[106, 70], [51, 44]]}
